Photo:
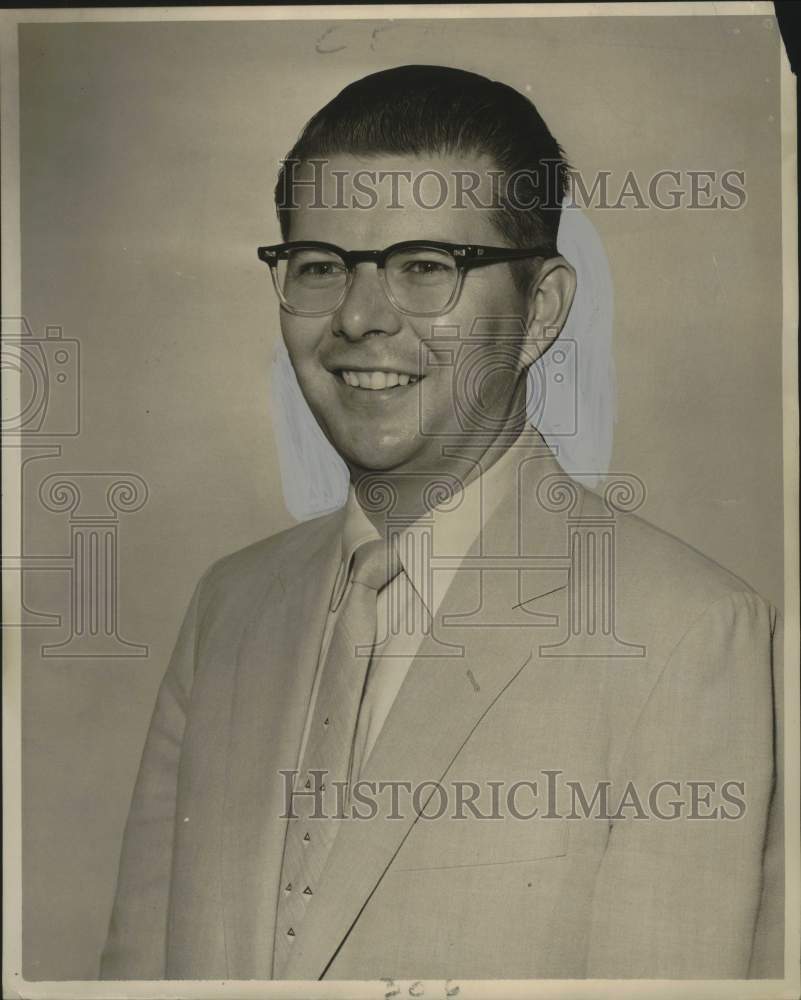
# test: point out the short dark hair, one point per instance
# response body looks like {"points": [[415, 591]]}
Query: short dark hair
{"points": [[438, 110]]}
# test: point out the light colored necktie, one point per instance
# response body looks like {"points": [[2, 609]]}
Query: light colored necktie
{"points": [[330, 744]]}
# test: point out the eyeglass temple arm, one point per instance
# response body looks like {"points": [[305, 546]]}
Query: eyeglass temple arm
{"points": [[503, 253], [478, 256]]}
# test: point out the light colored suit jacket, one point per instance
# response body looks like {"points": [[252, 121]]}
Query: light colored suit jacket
{"points": [[681, 692]]}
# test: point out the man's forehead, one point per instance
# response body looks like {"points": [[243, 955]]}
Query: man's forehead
{"points": [[394, 197]]}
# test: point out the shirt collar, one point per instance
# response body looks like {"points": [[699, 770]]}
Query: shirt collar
{"points": [[357, 529], [455, 526]]}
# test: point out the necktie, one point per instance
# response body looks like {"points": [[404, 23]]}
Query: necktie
{"points": [[329, 746]]}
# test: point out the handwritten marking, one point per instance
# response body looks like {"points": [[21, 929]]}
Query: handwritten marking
{"points": [[325, 34]]}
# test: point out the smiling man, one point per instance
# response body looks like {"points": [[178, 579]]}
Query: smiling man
{"points": [[480, 723]]}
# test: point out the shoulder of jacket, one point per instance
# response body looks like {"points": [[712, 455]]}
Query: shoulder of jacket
{"points": [[662, 567], [257, 563]]}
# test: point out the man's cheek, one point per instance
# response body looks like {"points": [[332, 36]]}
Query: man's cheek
{"points": [[437, 410], [316, 379]]}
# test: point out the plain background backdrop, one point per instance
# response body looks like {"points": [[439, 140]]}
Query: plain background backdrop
{"points": [[148, 156]]}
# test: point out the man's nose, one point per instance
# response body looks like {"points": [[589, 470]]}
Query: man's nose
{"points": [[366, 308]]}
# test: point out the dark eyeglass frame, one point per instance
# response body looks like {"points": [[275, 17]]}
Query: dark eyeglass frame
{"points": [[465, 256]]}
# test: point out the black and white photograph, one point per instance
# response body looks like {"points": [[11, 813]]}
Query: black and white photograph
{"points": [[400, 502]]}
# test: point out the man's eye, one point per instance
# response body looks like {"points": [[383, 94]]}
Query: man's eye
{"points": [[318, 269], [426, 267]]}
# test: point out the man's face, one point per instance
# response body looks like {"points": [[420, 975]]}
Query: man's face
{"points": [[403, 427]]}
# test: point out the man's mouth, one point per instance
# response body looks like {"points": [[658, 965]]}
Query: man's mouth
{"points": [[376, 379]]}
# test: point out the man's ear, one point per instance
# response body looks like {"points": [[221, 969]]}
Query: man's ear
{"points": [[550, 297]]}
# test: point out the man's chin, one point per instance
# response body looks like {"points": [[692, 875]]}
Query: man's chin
{"points": [[392, 459], [377, 463]]}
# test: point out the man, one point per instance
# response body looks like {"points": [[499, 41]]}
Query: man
{"points": [[480, 723]]}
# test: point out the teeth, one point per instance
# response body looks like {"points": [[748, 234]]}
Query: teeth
{"points": [[376, 379]]}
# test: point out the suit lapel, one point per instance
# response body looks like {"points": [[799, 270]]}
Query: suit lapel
{"points": [[442, 700], [276, 662]]}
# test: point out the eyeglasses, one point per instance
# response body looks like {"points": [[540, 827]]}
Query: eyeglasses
{"points": [[419, 278]]}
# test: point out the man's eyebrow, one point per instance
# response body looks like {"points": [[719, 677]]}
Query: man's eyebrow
{"points": [[428, 238], [431, 238]]}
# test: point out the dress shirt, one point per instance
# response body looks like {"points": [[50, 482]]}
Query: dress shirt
{"points": [[455, 526]]}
